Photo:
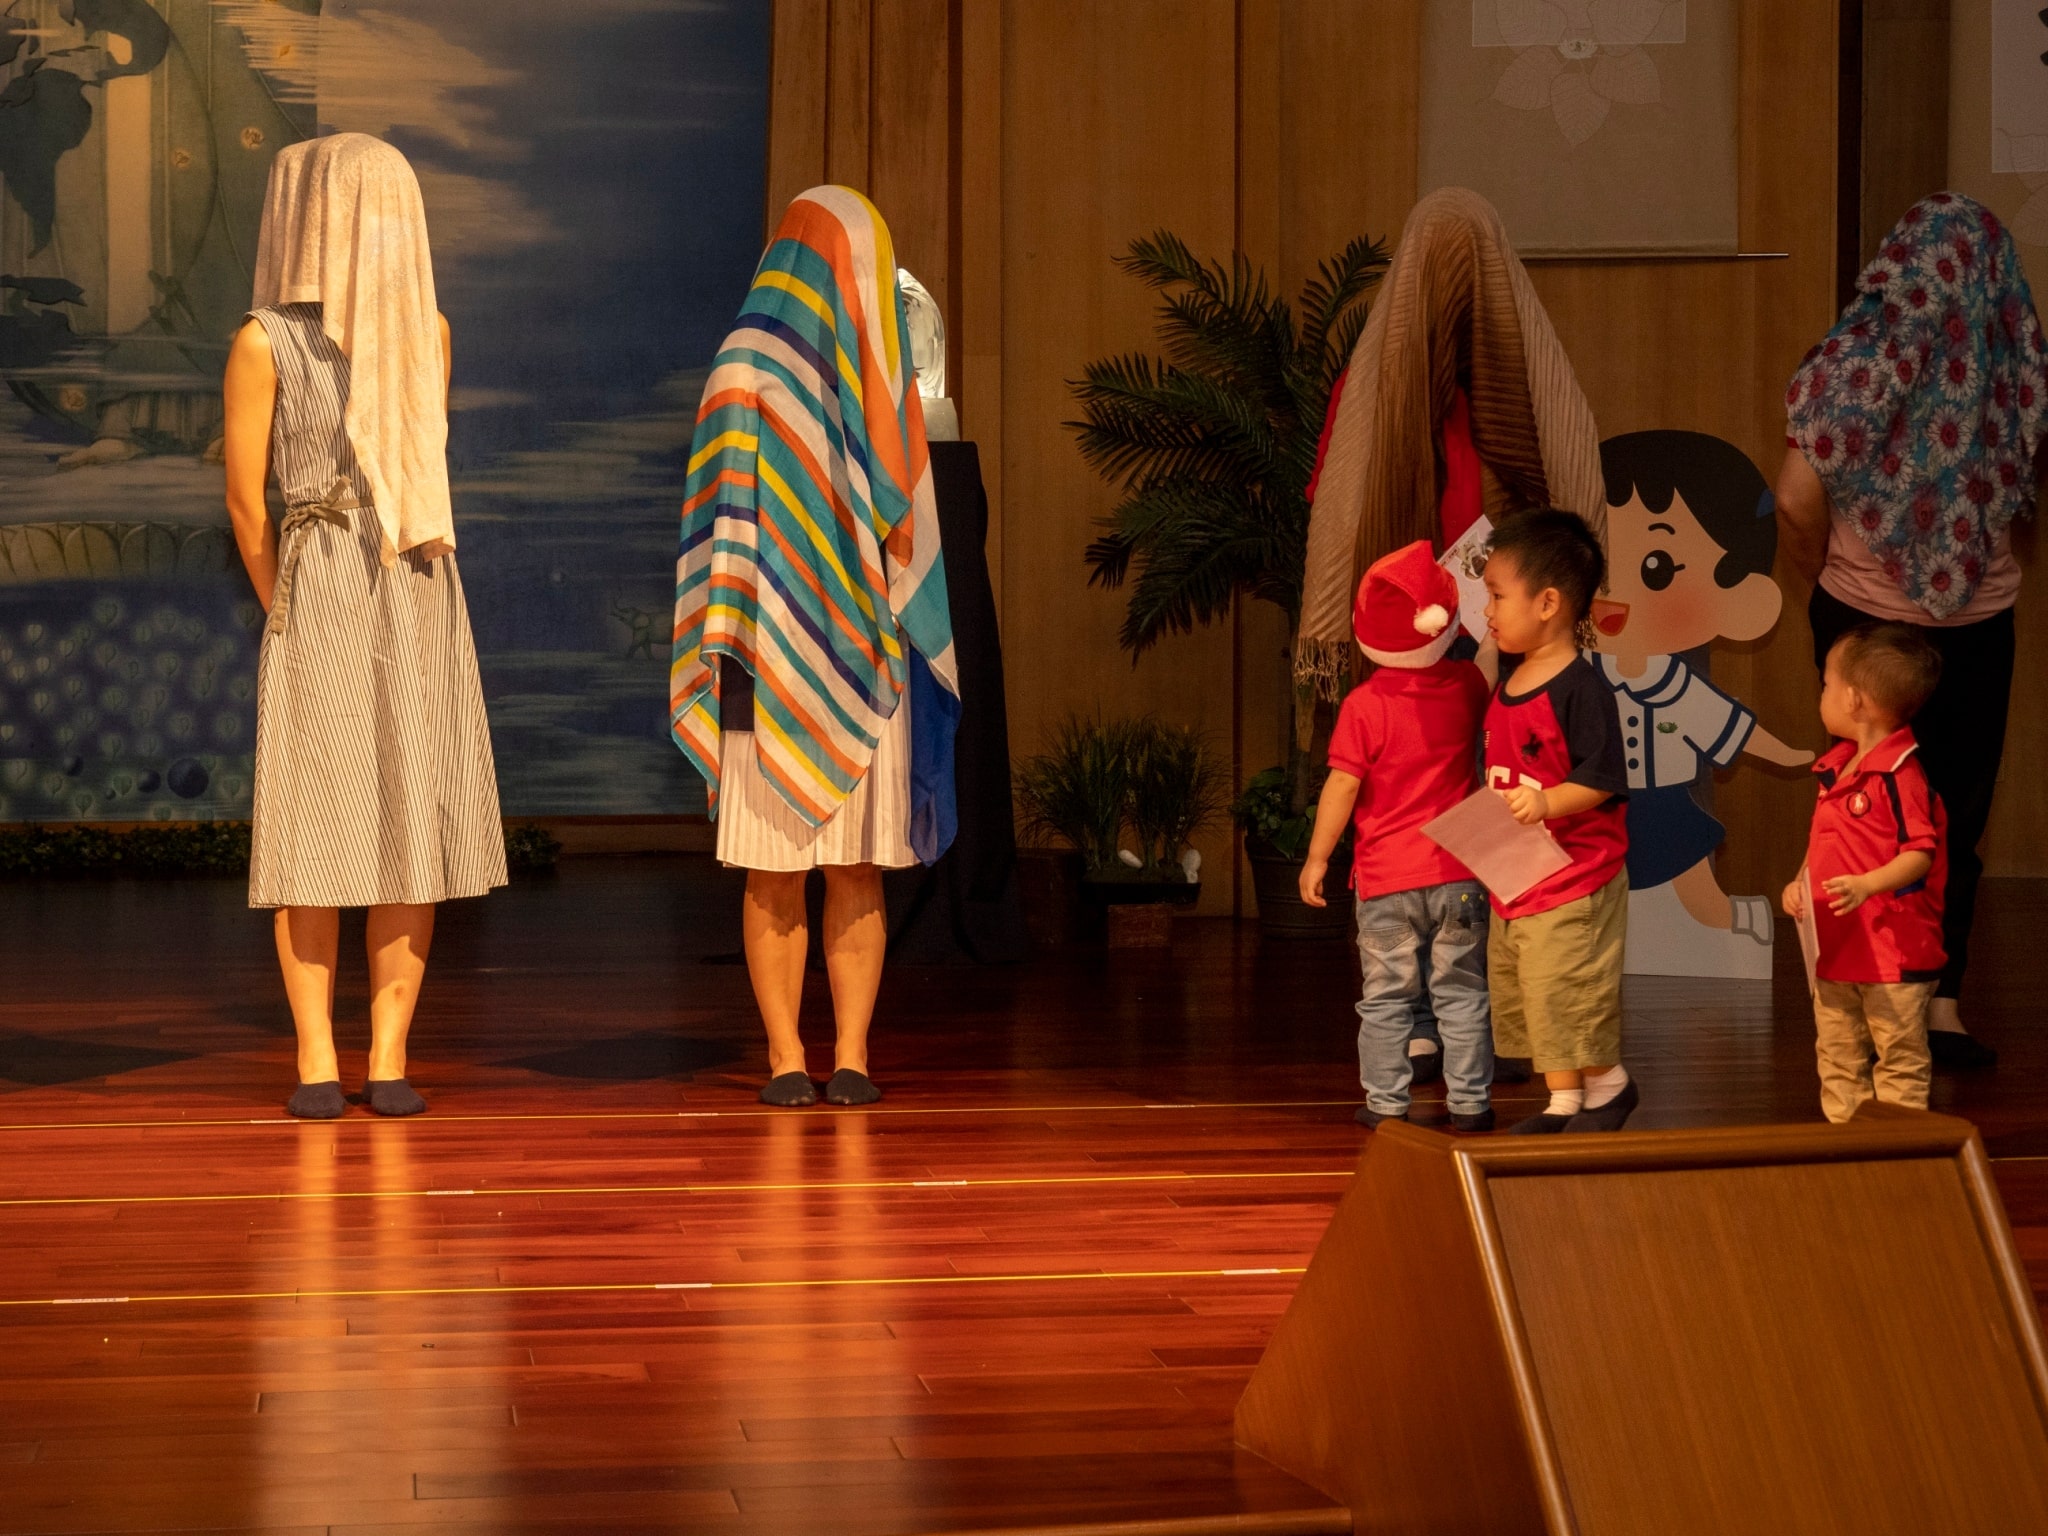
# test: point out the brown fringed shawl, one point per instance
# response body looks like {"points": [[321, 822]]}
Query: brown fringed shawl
{"points": [[1455, 307]]}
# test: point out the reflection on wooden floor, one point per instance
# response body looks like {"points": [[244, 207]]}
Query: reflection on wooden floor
{"points": [[598, 1288]]}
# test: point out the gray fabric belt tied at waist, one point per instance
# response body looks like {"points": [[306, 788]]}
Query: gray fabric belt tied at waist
{"points": [[299, 516]]}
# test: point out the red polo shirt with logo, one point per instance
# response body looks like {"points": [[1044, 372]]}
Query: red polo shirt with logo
{"points": [[1863, 820], [1564, 732], [1410, 736]]}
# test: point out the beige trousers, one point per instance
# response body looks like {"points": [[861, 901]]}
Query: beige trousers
{"points": [[1850, 1017]]}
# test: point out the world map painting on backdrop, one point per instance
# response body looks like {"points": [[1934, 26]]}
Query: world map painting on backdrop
{"points": [[593, 175]]}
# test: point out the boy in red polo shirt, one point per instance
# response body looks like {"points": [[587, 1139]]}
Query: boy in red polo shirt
{"points": [[1876, 864], [1405, 750]]}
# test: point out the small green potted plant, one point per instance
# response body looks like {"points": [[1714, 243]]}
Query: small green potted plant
{"points": [[1098, 780], [1276, 844]]}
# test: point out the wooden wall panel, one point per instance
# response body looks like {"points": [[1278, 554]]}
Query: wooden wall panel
{"points": [[2017, 843], [1117, 120]]}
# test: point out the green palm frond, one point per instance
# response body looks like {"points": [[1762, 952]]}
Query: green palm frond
{"points": [[1213, 440]]}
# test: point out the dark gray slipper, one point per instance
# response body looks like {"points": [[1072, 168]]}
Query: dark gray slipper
{"points": [[1369, 1117], [1475, 1121], [790, 1090], [394, 1096], [1545, 1124], [317, 1101], [851, 1087]]}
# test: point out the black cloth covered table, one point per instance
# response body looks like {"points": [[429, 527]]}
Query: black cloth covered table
{"points": [[966, 907]]}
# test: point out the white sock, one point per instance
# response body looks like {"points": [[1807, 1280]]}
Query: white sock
{"points": [[1604, 1087], [1422, 1045], [1565, 1101]]}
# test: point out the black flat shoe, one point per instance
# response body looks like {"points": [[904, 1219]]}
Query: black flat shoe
{"points": [[1545, 1124], [317, 1101], [1610, 1116], [1954, 1051], [1369, 1117], [1482, 1120], [392, 1096], [1427, 1068], [790, 1090], [1513, 1069], [850, 1087]]}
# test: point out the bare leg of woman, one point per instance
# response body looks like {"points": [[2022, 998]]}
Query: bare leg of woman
{"points": [[856, 939], [306, 941], [777, 936], [398, 938]]}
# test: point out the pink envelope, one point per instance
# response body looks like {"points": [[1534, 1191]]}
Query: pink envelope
{"points": [[1503, 855]]}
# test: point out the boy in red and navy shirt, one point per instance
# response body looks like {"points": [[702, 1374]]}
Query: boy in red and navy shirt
{"points": [[1553, 751], [1876, 864], [1403, 753]]}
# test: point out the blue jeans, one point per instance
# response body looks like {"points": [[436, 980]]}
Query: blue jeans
{"points": [[1425, 948]]}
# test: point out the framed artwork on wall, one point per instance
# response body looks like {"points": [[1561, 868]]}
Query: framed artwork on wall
{"points": [[1594, 126], [593, 178]]}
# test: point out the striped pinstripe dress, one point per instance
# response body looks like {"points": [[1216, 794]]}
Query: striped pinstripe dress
{"points": [[374, 777]]}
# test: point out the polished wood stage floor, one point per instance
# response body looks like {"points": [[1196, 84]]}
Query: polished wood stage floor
{"points": [[599, 1288]]}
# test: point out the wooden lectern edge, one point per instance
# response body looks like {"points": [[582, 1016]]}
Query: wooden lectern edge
{"points": [[1995, 1229], [1874, 1139], [1535, 1416]]}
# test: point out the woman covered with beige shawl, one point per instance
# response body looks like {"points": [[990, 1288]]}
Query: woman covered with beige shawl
{"points": [[1455, 313], [375, 785]]}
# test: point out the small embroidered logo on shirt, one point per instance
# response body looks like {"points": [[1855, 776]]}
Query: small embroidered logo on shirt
{"points": [[1859, 804]]}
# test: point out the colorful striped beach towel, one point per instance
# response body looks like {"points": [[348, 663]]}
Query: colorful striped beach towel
{"points": [[810, 544]]}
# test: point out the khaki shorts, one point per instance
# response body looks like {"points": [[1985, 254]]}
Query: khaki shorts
{"points": [[1556, 981]]}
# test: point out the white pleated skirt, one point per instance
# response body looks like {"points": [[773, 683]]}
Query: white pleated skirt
{"points": [[757, 829]]}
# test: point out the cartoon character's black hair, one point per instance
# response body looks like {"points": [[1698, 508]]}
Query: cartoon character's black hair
{"points": [[1725, 491]]}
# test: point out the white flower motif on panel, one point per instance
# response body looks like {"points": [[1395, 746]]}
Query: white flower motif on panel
{"points": [[1576, 58]]}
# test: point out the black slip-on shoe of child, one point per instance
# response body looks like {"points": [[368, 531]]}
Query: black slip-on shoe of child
{"points": [[1612, 1115], [1427, 1068], [1513, 1069], [316, 1101], [849, 1087], [1478, 1120], [1954, 1051], [1369, 1117], [790, 1090], [1545, 1124]]}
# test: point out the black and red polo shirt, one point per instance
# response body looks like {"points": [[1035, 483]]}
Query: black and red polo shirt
{"points": [[1564, 732], [1863, 820]]}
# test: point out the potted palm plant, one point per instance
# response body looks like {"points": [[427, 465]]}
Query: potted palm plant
{"points": [[1212, 444]]}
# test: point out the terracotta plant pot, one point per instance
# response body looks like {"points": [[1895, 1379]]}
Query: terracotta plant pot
{"points": [[1282, 912], [1140, 925]]}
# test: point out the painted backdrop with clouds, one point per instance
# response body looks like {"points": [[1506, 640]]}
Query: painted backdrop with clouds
{"points": [[593, 173]]}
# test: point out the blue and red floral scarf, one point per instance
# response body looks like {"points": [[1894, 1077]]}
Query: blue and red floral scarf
{"points": [[1921, 411]]}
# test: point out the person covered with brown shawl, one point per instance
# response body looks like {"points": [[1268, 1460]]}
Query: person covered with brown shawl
{"points": [[1455, 316]]}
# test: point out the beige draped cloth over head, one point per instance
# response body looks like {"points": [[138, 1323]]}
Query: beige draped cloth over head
{"points": [[344, 228], [1456, 307]]}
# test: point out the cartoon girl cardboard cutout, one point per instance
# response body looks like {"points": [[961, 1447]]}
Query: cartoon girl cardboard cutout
{"points": [[1691, 537]]}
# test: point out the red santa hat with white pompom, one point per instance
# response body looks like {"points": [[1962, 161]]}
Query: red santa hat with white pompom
{"points": [[1407, 607]]}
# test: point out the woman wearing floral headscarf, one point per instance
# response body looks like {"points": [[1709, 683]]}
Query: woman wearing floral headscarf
{"points": [[1914, 430]]}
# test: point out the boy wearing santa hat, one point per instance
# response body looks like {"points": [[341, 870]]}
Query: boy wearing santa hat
{"points": [[1406, 750]]}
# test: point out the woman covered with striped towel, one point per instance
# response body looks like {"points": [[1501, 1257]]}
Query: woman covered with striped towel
{"points": [[813, 681], [375, 785]]}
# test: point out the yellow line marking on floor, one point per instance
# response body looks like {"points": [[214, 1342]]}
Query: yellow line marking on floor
{"points": [[676, 1114], [689, 1114], [823, 1186], [597, 1287]]}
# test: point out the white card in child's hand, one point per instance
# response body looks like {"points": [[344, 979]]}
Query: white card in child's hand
{"points": [[1809, 935], [1466, 561], [1505, 856]]}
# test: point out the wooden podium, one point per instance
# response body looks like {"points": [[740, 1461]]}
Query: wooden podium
{"points": [[1777, 1330]]}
